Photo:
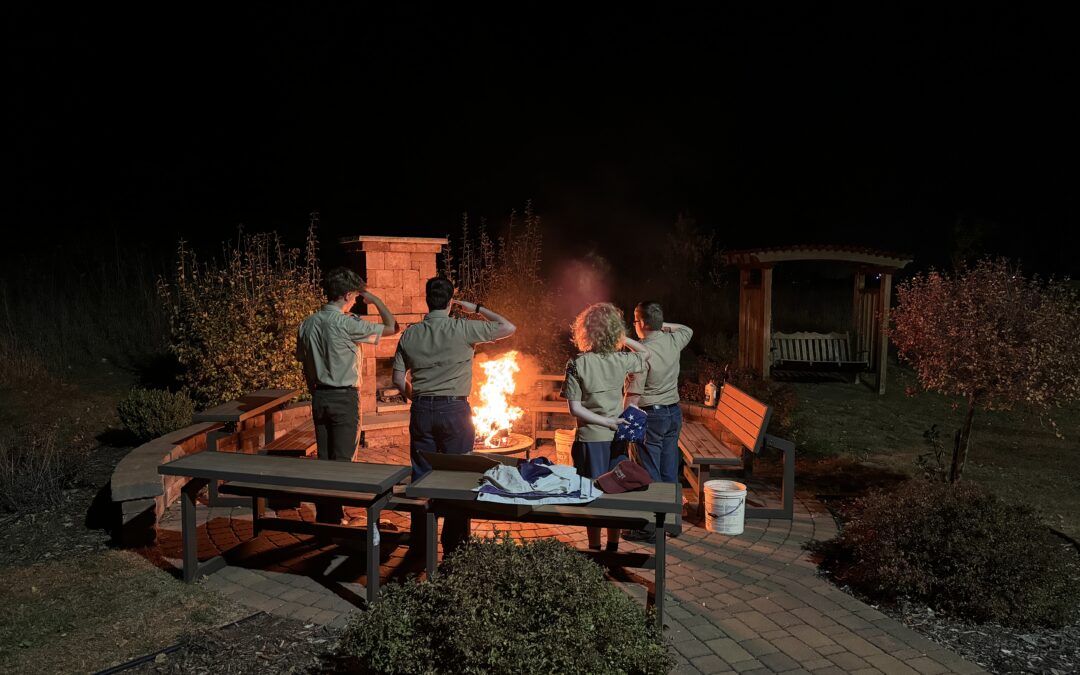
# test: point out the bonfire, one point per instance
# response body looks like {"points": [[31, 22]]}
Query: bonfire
{"points": [[495, 416]]}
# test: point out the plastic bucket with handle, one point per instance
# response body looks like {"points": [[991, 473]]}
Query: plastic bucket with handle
{"points": [[564, 439], [725, 506]]}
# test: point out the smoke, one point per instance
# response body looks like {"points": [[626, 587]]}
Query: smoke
{"points": [[579, 282]]}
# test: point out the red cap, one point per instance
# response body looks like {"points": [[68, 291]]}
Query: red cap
{"points": [[626, 476]]}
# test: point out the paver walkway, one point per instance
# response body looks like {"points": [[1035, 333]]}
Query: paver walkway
{"points": [[749, 604]]}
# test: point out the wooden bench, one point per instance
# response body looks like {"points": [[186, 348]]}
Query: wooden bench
{"points": [[831, 351], [297, 442], [741, 421]]}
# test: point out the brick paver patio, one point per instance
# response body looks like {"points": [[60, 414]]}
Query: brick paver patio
{"points": [[745, 604]]}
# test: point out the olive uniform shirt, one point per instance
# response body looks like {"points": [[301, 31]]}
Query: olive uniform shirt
{"points": [[439, 353], [328, 345], [597, 381], [659, 384]]}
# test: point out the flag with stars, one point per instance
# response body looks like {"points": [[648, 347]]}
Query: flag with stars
{"points": [[634, 429]]}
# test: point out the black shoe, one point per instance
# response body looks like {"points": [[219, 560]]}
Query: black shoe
{"points": [[612, 547], [644, 535]]}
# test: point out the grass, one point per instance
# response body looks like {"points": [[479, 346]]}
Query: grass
{"points": [[85, 614], [69, 602], [1014, 453]]}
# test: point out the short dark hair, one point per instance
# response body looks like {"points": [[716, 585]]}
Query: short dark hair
{"points": [[340, 281], [652, 314], [438, 291]]}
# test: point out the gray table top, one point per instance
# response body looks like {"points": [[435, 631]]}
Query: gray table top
{"points": [[248, 405], [458, 486], [288, 471]]}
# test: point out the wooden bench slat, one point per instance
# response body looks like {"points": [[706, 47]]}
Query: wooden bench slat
{"points": [[738, 427], [296, 442]]}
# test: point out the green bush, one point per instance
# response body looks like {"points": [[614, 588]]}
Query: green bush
{"points": [[960, 549], [500, 607], [149, 413], [233, 323]]}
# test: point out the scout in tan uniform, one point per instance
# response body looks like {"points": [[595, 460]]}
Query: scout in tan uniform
{"points": [[656, 391], [594, 389], [437, 353], [328, 345]]}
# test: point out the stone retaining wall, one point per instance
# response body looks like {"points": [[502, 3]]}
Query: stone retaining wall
{"points": [[141, 494]]}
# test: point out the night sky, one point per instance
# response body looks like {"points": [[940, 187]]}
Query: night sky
{"points": [[817, 123]]}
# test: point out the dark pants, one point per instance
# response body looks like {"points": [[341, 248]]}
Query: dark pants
{"points": [[593, 459], [336, 413], [441, 426], [660, 456]]}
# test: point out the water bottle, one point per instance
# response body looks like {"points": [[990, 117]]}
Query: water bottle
{"points": [[710, 394]]}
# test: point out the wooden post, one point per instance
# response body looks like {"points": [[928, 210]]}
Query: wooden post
{"points": [[766, 322], [885, 296], [744, 319], [856, 316]]}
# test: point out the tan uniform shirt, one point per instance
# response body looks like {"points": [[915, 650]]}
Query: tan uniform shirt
{"points": [[328, 344], [659, 384], [439, 352], [597, 381]]}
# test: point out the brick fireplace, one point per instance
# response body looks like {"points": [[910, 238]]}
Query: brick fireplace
{"points": [[396, 269]]}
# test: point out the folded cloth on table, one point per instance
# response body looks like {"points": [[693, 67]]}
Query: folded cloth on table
{"points": [[535, 483], [634, 429]]}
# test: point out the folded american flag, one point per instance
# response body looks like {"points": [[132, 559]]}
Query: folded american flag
{"points": [[634, 429]]}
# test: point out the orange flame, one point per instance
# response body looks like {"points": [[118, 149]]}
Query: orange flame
{"points": [[494, 417]]}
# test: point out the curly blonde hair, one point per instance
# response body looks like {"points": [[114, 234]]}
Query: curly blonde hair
{"points": [[599, 328]]}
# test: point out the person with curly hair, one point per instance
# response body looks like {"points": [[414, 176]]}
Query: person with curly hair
{"points": [[594, 389]]}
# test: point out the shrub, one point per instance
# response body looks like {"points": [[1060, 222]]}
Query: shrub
{"points": [[500, 607], [504, 273], [233, 323], [778, 395], [960, 549], [36, 467], [149, 413]]}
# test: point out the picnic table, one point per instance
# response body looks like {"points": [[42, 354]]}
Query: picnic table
{"points": [[370, 484], [451, 492]]}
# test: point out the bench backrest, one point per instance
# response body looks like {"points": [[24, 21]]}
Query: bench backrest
{"points": [[743, 416], [812, 347]]}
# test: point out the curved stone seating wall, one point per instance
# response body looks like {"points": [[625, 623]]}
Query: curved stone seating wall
{"points": [[141, 494]]}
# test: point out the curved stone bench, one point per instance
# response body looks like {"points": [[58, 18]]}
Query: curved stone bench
{"points": [[142, 495]]}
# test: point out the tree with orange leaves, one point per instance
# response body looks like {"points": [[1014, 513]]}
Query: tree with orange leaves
{"points": [[992, 337]]}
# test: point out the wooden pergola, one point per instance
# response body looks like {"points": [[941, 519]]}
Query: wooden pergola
{"points": [[870, 316]]}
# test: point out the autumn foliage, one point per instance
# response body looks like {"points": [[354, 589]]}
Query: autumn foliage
{"points": [[233, 321], [992, 336]]}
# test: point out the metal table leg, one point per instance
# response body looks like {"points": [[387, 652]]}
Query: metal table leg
{"points": [[372, 548], [660, 554], [189, 535]]}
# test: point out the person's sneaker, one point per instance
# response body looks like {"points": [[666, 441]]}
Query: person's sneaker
{"points": [[644, 535]]}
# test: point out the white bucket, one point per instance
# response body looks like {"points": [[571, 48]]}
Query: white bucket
{"points": [[725, 506], [564, 439]]}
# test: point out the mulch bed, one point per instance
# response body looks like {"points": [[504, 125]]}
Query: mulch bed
{"points": [[260, 643], [999, 649]]}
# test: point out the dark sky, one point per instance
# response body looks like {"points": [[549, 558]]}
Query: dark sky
{"points": [[772, 125]]}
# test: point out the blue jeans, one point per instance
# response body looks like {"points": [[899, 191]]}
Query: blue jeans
{"points": [[441, 426], [438, 426], [660, 456]]}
